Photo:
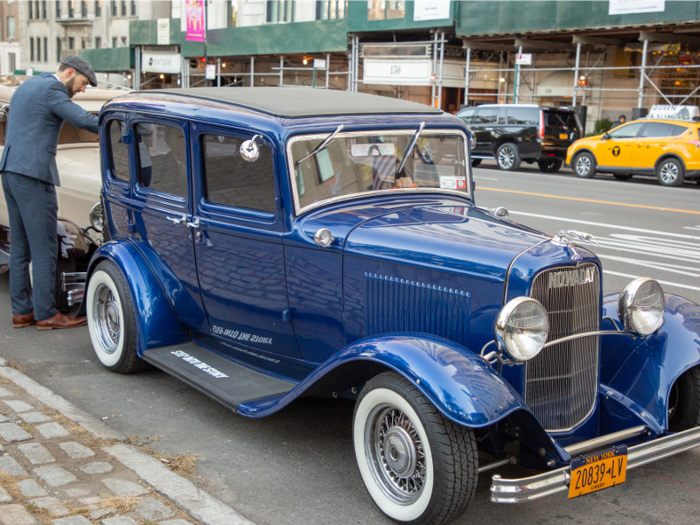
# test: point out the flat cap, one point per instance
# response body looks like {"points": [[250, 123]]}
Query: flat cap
{"points": [[81, 66]]}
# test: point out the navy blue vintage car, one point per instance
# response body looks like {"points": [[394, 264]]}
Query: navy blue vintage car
{"points": [[272, 243]]}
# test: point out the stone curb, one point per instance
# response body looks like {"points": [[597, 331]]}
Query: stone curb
{"points": [[183, 493]]}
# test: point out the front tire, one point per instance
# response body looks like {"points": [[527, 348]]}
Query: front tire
{"points": [[670, 172], [476, 162], [508, 157], [684, 402], [549, 165], [584, 165], [417, 466], [111, 322], [622, 176]]}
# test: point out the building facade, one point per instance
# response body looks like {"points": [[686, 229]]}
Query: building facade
{"points": [[9, 37]]}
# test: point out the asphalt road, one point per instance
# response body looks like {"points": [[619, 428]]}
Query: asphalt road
{"points": [[297, 467]]}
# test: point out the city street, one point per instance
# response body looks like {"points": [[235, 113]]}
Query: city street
{"points": [[297, 467]]}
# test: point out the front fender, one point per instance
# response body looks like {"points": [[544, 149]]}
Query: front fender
{"points": [[645, 368], [156, 322], [457, 381]]}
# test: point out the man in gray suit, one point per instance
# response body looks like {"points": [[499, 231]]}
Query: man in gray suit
{"points": [[29, 177]]}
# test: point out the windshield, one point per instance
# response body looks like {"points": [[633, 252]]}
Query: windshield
{"points": [[355, 164]]}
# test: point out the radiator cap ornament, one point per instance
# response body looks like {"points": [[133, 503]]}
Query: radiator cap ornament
{"points": [[570, 238]]}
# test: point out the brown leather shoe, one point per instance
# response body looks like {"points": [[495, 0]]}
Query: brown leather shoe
{"points": [[20, 321], [60, 321]]}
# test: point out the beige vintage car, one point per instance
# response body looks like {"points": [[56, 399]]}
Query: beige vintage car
{"points": [[78, 161]]}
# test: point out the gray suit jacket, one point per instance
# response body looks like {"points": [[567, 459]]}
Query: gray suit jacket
{"points": [[37, 111]]}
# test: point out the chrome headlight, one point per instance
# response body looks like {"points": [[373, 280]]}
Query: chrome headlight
{"points": [[641, 306], [521, 328], [97, 217], [472, 138]]}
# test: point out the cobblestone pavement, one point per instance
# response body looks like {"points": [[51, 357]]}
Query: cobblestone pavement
{"points": [[54, 472]]}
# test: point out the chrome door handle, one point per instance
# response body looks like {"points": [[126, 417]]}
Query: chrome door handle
{"points": [[177, 220], [194, 223]]}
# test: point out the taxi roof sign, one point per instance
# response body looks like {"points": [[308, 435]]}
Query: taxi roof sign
{"points": [[667, 111]]}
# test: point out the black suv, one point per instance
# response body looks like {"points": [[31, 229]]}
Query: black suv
{"points": [[512, 133]]}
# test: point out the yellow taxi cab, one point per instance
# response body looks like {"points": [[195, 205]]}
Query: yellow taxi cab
{"points": [[666, 148]]}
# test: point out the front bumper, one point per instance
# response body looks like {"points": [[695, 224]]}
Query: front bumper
{"points": [[74, 284], [536, 487]]}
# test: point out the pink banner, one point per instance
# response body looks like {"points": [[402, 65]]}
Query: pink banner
{"points": [[194, 12]]}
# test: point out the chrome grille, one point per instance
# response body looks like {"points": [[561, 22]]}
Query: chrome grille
{"points": [[562, 381]]}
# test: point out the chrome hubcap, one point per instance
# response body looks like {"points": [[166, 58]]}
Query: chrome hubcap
{"points": [[107, 319], [506, 157], [395, 454], [583, 165], [669, 172]]}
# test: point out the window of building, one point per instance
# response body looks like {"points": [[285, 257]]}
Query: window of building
{"points": [[114, 41], [31, 12], [98, 42], [98, 8], [385, 9], [31, 49], [330, 9], [38, 49], [37, 12], [123, 7], [133, 8], [58, 49], [83, 8], [58, 9], [162, 158], [12, 62], [83, 43], [231, 181], [119, 154], [232, 15], [11, 35], [280, 11], [124, 42], [114, 7], [43, 10], [71, 8], [46, 49], [71, 43]]}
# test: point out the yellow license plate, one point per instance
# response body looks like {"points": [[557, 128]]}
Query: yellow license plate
{"points": [[563, 136], [598, 471]]}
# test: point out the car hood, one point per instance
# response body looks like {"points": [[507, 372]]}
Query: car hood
{"points": [[79, 167], [463, 240]]}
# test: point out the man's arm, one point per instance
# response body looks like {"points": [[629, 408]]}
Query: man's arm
{"points": [[60, 103]]}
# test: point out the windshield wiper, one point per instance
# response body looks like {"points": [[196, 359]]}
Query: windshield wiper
{"points": [[323, 144], [414, 138]]}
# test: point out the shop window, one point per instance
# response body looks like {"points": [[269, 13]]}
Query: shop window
{"points": [[330, 9], [385, 9], [162, 158], [280, 11], [119, 161]]}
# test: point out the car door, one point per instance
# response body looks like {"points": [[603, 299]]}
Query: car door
{"points": [[649, 145], [162, 211], [485, 123], [238, 244], [616, 150]]}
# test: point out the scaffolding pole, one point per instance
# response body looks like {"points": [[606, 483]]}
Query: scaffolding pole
{"points": [[281, 70], [643, 73], [516, 91], [218, 72], [328, 69], [442, 61], [576, 73], [252, 71], [466, 76]]}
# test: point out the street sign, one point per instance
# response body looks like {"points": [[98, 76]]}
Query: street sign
{"points": [[523, 59], [319, 63], [210, 72]]}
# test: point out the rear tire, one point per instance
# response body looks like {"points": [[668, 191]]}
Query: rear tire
{"points": [[475, 162], [670, 172], [550, 166], [508, 157], [584, 165], [418, 467], [684, 402]]}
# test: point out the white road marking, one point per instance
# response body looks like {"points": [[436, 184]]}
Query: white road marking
{"points": [[605, 225], [655, 265], [678, 285], [696, 228], [483, 178]]}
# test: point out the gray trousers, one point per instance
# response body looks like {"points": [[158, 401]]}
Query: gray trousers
{"points": [[33, 210]]}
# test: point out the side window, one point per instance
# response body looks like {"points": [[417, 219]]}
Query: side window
{"points": [[119, 152], [162, 159], [628, 131], [501, 112], [523, 116], [230, 180], [467, 115], [655, 129], [674, 130], [486, 116]]}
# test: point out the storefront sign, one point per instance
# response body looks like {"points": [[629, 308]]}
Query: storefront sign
{"points": [[160, 62], [523, 59], [411, 72], [431, 10], [319, 63], [626, 7], [194, 12], [163, 31]]}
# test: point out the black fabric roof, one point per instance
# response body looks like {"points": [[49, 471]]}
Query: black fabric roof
{"points": [[303, 102]]}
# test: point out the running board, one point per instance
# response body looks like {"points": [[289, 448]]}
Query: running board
{"points": [[222, 379]]}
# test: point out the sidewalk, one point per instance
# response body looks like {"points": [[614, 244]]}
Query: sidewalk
{"points": [[61, 466]]}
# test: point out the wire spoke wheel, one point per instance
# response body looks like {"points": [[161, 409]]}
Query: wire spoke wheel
{"points": [[395, 454]]}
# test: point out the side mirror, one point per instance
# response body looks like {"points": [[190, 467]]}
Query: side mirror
{"points": [[250, 151], [3, 112], [605, 136]]}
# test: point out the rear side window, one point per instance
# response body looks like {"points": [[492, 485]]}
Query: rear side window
{"points": [[560, 119], [119, 152], [161, 152], [674, 130], [655, 129], [486, 116], [523, 116], [230, 180]]}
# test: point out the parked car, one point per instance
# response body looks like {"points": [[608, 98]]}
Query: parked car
{"points": [[515, 133], [268, 245], [79, 209], [667, 149]]}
